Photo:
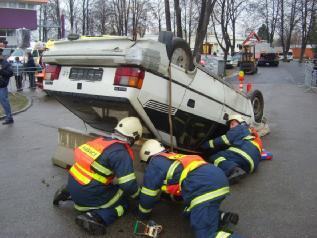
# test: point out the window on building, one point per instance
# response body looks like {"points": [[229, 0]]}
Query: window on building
{"points": [[22, 5], [3, 4], [12, 4], [10, 32], [31, 6], [3, 33]]}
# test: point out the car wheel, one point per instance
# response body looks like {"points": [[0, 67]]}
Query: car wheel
{"points": [[181, 54], [257, 101]]}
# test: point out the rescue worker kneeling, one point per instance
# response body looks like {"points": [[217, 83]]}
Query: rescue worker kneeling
{"points": [[202, 186], [90, 179], [243, 152]]}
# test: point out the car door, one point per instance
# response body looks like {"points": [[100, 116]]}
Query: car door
{"points": [[154, 97]]}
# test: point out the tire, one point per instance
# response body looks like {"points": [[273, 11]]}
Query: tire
{"points": [[181, 54], [257, 101]]}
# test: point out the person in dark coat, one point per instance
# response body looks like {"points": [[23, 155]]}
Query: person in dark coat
{"points": [[17, 68], [31, 68], [5, 74]]}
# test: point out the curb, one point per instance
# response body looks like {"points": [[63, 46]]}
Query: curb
{"points": [[30, 102]]}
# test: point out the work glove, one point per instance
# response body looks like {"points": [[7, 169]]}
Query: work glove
{"points": [[205, 145]]}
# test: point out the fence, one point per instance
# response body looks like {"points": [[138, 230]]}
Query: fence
{"points": [[310, 76], [215, 65]]}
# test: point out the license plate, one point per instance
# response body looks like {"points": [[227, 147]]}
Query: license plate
{"points": [[89, 74]]}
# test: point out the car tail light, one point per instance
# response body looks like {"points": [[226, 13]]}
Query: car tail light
{"points": [[52, 72], [129, 77]]}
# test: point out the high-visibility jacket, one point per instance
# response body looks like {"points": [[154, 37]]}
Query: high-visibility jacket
{"points": [[199, 181], [189, 163], [243, 142], [86, 168]]}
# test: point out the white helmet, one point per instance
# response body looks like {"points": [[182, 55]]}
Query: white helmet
{"points": [[130, 127], [236, 117], [149, 148]]}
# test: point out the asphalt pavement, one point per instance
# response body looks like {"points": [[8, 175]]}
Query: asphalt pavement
{"points": [[278, 200]]}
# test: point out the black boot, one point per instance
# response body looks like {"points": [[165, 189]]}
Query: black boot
{"points": [[235, 175], [91, 223], [61, 195], [228, 220]]}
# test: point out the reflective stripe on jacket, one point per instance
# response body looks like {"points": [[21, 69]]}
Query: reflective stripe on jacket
{"points": [[189, 163], [87, 168]]}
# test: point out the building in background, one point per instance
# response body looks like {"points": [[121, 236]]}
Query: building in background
{"points": [[17, 14]]}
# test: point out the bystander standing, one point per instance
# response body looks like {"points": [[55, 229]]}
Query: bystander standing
{"points": [[17, 68], [5, 74], [31, 68]]}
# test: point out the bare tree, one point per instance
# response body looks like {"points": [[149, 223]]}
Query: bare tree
{"points": [[84, 17], [288, 21], [236, 8], [205, 12], [307, 10], [178, 15], [139, 12], [269, 12], [71, 13], [222, 17], [156, 9], [168, 15]]}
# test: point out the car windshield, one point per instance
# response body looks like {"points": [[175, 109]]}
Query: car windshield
{"points": [[18, 52]]}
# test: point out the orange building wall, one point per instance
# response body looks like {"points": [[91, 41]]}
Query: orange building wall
{"points": [[308, 53]]}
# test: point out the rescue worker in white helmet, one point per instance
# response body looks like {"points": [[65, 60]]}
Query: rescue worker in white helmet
{"points": [[90, 186], [242, 152], [202, 186]]}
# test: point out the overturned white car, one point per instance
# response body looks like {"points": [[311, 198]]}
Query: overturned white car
{"points": [[103, 80]]}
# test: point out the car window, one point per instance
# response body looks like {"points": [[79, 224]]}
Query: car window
{"points": [[18, 52], [289, 53]]}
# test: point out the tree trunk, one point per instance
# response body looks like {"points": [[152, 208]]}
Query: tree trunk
{"points": [[87, 17], [178, 14], [84, 17], [168, 15], [58, 16], [206, 9], [190, 22]]}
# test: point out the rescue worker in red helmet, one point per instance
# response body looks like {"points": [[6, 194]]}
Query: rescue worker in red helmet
{"points": [[242, 152], [90, 185], [202, 186]]}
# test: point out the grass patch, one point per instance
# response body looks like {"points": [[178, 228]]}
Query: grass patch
{"points": [[17, 102]]}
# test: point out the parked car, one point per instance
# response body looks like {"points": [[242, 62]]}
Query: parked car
{"points": [[104, 80], [289, 56], [232, 62]]}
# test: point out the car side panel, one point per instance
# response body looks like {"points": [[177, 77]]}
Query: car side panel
{"points": [[207, 94], [236, 102]]}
